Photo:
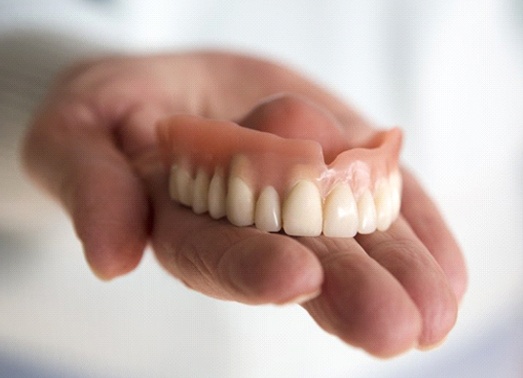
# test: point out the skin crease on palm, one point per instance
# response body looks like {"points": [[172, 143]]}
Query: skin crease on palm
{"points": [[93, 146]]}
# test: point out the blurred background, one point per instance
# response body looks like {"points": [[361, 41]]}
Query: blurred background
{"points": [[450, 72]]}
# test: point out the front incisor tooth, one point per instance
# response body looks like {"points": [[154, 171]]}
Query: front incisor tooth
{"points": [[396, 187], [184, 186], [267, 215], [340, 212], [200, 202], [216, 199], [240, 203], [366, 213], [302, 212], [383, 202]]}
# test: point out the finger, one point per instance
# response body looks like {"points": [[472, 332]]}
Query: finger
{"points": [[401, 253], [426, 221], [265, 78], [72, 155], [227, 262], [361, 302]]}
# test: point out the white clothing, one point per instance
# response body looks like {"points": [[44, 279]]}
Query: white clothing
{"points": [[449, 72]]}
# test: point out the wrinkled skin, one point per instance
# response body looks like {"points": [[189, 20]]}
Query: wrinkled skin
{"points": [[92, 145]]}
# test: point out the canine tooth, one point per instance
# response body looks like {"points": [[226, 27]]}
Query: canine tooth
{"points": [[367, 213], [396, 187], [200, 202], [173, 190], [302, 213], [340, 212], [216, 199], [267, 215], [184, 186], [383, 202], [240, 203]]}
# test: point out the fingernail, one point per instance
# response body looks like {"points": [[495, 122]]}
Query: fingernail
{"points": [[429, 347], [301, 299]]}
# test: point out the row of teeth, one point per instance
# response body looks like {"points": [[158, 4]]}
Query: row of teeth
{"points": [[303, 212]]}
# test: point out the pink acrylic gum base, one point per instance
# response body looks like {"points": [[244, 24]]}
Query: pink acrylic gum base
{"points": [[265, 159]]}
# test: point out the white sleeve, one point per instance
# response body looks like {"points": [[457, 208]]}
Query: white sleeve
{"points": [[29, 62]]}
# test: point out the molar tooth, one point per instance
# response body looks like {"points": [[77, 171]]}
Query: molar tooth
{"points": [[302, 213], [173, 190], [267, 215], [395, 183], [340, 212], [201, 192], [184, 186], [240, 203], [216, 199], [383, 202], [367, 213]]}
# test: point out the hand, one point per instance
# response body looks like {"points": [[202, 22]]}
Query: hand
{"points": [[93, 146]]}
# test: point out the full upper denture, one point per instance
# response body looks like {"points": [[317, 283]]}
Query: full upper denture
{"points": [[255, 177]]}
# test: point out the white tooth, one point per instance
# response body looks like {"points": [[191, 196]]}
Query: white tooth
{"points": [[396, 187], [302, 213], [216, 199], [267, 216], [340, 212], [240, 203], [200, 202], [366, 213], [173, 190], [383, 202], [184, 186]]}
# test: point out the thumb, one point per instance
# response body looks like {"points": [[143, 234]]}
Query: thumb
{"points": [[73, 155]]}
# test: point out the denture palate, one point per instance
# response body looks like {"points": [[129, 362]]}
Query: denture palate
{"points": [[258, 178]]}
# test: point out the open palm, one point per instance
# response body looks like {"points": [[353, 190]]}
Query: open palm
{"points": [[93, 146]]}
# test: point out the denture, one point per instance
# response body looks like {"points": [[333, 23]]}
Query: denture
{"points": [[280, 183]]}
